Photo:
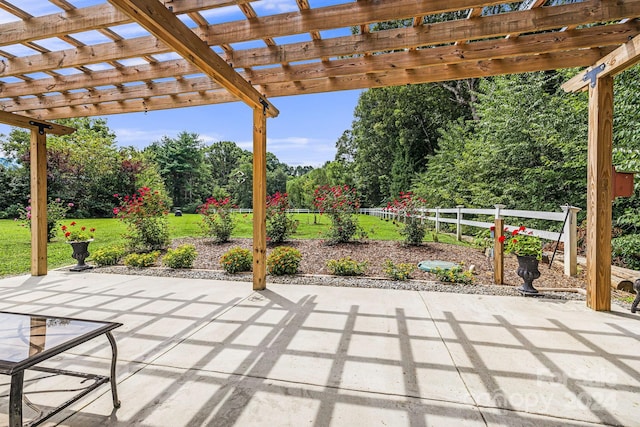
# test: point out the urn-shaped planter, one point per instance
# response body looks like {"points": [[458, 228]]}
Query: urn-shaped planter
{"points": [[528, 270], [80, 253]]}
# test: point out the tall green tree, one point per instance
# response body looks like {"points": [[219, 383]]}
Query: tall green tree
{"points": [[527, 150], [181, 163], [394, 132]]}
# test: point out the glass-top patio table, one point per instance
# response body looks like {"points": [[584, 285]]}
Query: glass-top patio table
{"points": [[29, 339]]}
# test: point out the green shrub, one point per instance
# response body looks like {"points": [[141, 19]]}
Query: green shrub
{"points": [[142, 260], [280, 224], [400, 271], [454, 275], [625, 251], [180, 257], [346, 267], [283, 260], [217, 220], [110, 255], [145, 214], [236, 260]]}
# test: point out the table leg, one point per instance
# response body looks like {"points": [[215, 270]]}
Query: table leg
{"points": [[114, 357], [15, 399]]}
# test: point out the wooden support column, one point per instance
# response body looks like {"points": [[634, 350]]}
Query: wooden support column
{"points": [[599, 194], [259, 199], [38, 202]]}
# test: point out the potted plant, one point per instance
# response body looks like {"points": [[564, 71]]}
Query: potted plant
{"points": [[528, 250], [79, 238]]}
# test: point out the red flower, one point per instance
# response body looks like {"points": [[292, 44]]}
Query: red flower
{"points": [[501, 239], [67, 234], [522, 228], [72, 223], [515, 232], [64, 228], [92, 229]]}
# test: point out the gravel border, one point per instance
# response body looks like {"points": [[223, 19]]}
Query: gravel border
{"points": [[352, 282]]}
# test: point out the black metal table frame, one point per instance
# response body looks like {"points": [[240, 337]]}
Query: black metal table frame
{"points": [[17, 372]]}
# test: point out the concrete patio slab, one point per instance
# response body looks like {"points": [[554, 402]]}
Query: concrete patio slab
{"points": [[198, 352]]}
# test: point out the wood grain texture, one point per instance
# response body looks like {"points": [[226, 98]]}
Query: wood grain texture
{"points": [[599, 195], [259, 200], [38, 152]]}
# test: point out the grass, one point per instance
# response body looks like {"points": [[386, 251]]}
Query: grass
{"points": [[15, 246]]}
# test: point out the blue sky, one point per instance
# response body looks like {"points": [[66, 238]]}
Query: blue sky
{"points": [[304, 133]]}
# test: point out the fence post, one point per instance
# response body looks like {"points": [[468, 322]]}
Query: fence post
{"points": [[458, 222], [437, 219], [498, 248], [570, 240]]}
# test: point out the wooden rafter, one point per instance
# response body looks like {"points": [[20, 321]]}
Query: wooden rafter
{"points": [[446, 32], [617, 61], [468, 53], [163, 24], [17, 120]]}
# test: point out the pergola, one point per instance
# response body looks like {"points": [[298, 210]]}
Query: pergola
{"points": [[79, 61]]}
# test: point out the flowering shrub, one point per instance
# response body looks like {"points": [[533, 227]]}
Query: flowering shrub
{"points": [[236, 260], [400, 271], [283, 260], [108, 256], [75, 233], [280, 225], [141, 260], [217, 221], [341, 203], [181, 257], [145, 214], [409, 211], [56, 211], [346, 267], [522, 243]]}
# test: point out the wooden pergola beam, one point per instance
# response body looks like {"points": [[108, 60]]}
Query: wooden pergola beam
{"points": [[17, 120], [89, 18], [551, 61], [485, 27], [614, 63], [434, 57], [165, 26]]}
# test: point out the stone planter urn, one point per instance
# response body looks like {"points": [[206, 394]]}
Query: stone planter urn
{"points": [[80, 253], [528, 270]]}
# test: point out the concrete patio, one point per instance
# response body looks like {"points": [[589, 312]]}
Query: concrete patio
{"points": [[197, 352]]}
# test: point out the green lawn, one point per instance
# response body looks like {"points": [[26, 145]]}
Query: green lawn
{"points": [[15, 247]]}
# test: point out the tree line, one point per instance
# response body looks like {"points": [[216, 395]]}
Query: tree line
{"points": [[87, 168]]}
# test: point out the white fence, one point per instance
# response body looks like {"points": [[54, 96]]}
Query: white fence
{"points": [[568, 219]]}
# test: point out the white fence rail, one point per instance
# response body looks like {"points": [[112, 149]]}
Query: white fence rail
{"points": [[568, 218]]}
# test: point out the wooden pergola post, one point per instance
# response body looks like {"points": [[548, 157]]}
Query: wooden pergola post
{"points": [[599, 194], [259, 199], [38, 152], [38, 203]]}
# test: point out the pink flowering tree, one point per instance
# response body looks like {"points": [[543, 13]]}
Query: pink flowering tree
{"points": [[217, 220], [145, 214], [409, 209], [341, 204], [280, 224]]}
